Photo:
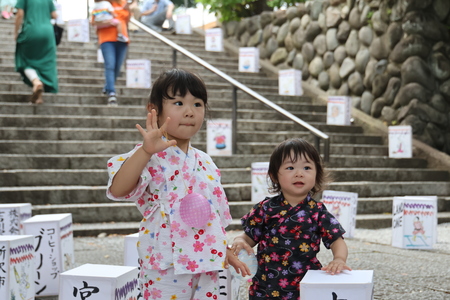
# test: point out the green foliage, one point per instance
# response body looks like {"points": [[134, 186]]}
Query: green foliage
{"points": [[280, 3], [228, 10]]}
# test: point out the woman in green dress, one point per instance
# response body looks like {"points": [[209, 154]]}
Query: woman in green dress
{"points": [[36, 46]]}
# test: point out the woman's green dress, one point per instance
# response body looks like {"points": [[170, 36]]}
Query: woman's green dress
{"points": [[35, 46]]}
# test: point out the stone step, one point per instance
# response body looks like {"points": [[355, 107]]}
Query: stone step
{"points": [[146, 53], [106, 134], [126, 211], [124, 228], [91, 79], [128, 122], [115, 147], [98, 70], [219, 98], [376, 221], [48, 195], [157, 65], [97, 161], [42, 177], [120, 89], [53, 104], [213, 112]]}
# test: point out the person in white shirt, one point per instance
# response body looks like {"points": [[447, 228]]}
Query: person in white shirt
{"points": [[155, 12]]}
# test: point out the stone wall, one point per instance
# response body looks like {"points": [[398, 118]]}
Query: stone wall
{"points": [[391, 56]]}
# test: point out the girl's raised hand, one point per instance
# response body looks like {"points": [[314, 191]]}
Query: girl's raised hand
{"points": [[152, 135]]}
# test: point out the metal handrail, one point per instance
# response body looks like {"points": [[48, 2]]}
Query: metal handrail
{"points": [[237, 85]]}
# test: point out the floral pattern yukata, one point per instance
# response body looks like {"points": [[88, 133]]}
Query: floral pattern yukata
{"points": [[288, 241], [165, 241]]}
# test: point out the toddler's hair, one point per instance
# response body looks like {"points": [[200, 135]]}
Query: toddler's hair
{"points": [[294, 149], [177, 81]]}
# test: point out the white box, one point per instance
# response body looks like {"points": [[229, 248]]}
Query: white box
{"points": [[400, 141], [138, 73], [339, 110], [183, 24], [53, 249], [78, 31], [260, 186], [17, 266], [214, 40], [219, 137], [130, 253], [290, 82], [100, 58], [343, 206], [348, 285], [414, 222], [249, 59], [12, 217], [102, 282]]}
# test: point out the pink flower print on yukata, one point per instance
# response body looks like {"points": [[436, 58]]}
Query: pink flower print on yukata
{"points": [[175, 226], [210, 239], [162, 154], [173, 196], [217, 192], [202, 185], [152, 171], [218, 172], [198, 246], [156, 294], [158, 178], [183, 260], [174, 160], [192, 265], [183, 233]]}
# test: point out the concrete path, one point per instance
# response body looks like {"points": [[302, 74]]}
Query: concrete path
{"points": [[398, 273]]}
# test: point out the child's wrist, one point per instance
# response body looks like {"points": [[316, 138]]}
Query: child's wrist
{"points": [[149, 154]]}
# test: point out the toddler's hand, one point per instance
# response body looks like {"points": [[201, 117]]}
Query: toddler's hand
{"points": [[239, 244], [152, 135], [336, 266], [239, 266]]}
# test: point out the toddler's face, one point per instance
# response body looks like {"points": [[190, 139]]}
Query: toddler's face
{"points": [[186, 116], [296, 179]]}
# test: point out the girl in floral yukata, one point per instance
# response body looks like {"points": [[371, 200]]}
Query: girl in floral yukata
{"points": [[287, 228], [182, 240]]}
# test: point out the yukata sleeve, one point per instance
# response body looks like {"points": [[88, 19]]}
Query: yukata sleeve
{"points": [[253, 222], [114, 165], [330, 228]]}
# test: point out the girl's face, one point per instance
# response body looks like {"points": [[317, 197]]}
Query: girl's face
{"points": [[186, 117], [296, 179]]}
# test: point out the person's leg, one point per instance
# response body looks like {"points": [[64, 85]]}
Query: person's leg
{"points": [[38, 86], [155, 22], [121, 52], [109, 56]]}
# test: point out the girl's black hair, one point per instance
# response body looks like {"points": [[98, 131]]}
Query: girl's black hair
{"points": [[176, 81], [294, 149]]}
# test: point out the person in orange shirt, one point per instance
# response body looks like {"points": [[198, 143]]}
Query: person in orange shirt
{"points": [[113, 50]]}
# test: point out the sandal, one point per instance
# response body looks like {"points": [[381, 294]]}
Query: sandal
{"points": [[38, 89]]}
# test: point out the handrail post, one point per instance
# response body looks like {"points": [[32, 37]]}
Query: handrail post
{"points": [[234, 121], [317, 143], [326, 150], [174, 58]]}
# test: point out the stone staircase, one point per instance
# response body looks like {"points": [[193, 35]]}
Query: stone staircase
{"points": [[54, 155]]}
